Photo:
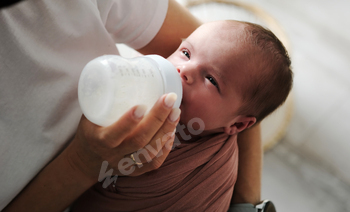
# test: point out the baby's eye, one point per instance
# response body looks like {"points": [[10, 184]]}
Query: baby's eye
{"points": [[186, 53], [213, 81]]}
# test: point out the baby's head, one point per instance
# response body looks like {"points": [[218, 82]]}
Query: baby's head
{"points": [[233, 74]]}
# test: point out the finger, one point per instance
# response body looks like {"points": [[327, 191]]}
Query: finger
{"points": [[157, 161], [154, 147], [114, 134], [150, 124]]}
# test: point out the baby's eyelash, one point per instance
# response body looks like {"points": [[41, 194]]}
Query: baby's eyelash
{"points": [[186, 53], [213, 81]]}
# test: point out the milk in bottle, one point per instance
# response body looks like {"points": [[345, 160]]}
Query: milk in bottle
{"points": [[110, 85]]}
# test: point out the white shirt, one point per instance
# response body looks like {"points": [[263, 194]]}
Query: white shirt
{"points": [[44, 44]]}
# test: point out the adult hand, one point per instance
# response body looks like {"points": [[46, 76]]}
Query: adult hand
{"points": [[77, 168], [153, 134]]}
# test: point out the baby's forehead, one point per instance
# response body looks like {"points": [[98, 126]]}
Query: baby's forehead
{"points": [[226, 34], [210, 28], [227, 27]]}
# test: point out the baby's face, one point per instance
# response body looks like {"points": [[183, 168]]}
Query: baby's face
{"points": [[212, 63]]}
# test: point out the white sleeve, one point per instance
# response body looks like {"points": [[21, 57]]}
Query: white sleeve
{"points": [[133, 22]]}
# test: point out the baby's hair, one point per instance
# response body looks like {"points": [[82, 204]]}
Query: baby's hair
{"points": [[270, 88]]}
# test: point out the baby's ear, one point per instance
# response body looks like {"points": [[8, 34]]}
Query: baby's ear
{"points": [[240, 123]]}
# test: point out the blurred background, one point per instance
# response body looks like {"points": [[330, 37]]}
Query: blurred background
{"points": [[307, 145]]}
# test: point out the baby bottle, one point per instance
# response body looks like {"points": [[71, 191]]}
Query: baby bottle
{"points": [[110, 85]]}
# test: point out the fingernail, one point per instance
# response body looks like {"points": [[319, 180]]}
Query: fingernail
{"points": [[140, 111], [174, 115], [170, 99]]}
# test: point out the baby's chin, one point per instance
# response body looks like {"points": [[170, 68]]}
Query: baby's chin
{"points": [[190, 122], [187, 118]]}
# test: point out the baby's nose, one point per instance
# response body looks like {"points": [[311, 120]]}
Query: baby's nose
{"points": [[185, 74]]}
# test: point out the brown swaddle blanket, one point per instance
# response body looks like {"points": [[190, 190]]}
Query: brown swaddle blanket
{"points": [[196, 176]]}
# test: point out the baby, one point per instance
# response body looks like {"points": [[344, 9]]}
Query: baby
{"points": [[233, 74]]}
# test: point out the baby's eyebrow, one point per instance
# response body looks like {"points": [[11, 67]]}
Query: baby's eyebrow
{"points": [[184, 40]]}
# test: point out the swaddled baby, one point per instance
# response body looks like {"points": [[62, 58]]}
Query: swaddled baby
{"points": [[233, 74]]}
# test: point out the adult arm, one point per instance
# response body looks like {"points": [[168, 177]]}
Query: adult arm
{"points": [[248, 185], [61, 181], [179, 23], [78, 167]]}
